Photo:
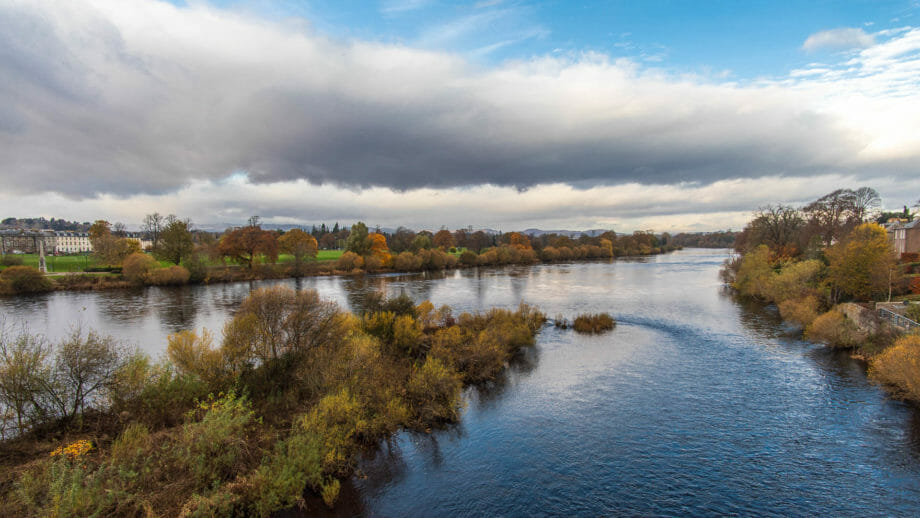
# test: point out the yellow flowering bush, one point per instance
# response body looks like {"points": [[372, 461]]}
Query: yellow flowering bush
{"points": [[74, 450]]}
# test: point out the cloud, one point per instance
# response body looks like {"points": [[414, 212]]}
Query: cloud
{"points": [[626, 207], [844, 38], [125, 98]]}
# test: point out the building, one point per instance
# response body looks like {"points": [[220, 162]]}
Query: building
{"points": [[55, 242], [905, 236], [72, 243]]}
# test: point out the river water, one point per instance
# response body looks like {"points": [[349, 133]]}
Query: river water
{"points": [[695, 404]]}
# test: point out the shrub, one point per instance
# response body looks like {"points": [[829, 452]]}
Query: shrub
{"points": [[835, 329], [593, 323], [899, 367], [136, 266], [913, 312], [349, 261], [10, 260], [172, 276], [211, 446], [433, 393], [24, 279], [407, 262], [468, 258], [802, 311]]}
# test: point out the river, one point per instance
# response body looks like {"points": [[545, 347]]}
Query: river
{"points": [[695, 404]]}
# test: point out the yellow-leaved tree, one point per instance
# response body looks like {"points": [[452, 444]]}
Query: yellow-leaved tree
{"points": [[864, 265]]}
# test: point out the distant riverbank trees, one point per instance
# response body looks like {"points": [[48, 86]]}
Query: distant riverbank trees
{"points": [[184, 254]]}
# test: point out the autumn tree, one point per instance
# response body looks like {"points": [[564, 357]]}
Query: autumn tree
{"points": [[299, 244], [176, 241], [378, 248], [401, 240], [108, 248], [863, 265], [519, 241], [245, 244], [443, 239]]}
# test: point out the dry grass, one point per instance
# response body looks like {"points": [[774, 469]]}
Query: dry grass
{"points": [[593, 323]]}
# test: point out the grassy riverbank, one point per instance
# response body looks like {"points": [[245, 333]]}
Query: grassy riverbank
{"points": [[278, 409]]}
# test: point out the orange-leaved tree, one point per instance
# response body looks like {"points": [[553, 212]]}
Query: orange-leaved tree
{"points": [[245, 244]]}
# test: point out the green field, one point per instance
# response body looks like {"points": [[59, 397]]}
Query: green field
{"points": [[60, 263], [77, 263]]}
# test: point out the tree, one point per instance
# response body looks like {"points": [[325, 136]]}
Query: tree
{"points": [[357, 241], [443, 239], [299, 244], [862, 265], [422, 241], [107, 248], [22, 373], [379, 248], [777, 226], [176, 241], [865, 204], [478, 240], [519, 241], [401, 240], [244, 245], [833, 215], [153, 225], [85, 364]]}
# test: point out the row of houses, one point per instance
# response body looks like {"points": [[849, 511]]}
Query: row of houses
{"points": [[54, 242]]}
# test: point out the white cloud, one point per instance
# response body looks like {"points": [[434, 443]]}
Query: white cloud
{"points": [[626, 207], [844, 38]]}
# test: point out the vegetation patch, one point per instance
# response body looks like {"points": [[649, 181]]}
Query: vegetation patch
{"points": [[593, 323], [281, 405]]}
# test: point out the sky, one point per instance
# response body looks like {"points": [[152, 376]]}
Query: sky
{"points": [[653, 115]]}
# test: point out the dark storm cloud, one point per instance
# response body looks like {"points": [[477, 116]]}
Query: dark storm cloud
{"points": [[141, 97]]}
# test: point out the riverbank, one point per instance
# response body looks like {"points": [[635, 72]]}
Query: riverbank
{"points": [[805, 297], [346, 265]]}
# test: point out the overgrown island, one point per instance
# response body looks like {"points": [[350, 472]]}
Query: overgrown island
{"points": [[273, 415], [826, 266]]}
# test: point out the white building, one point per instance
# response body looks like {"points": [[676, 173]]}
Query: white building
{"points": [[72, 243]]}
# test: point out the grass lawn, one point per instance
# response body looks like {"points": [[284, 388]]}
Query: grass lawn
{"points": [[77, 263], [60, 263], [322, 255]]}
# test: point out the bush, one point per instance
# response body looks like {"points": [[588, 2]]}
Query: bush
{"points": [[801, 311], [593, 323], [172, 276], [211, 446], [24, 279], [835, 329], [433, 393], [898, 367], [468, 258], [349, 261], [913, 312], [136, 267], [10, 260], [407, 262]]}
